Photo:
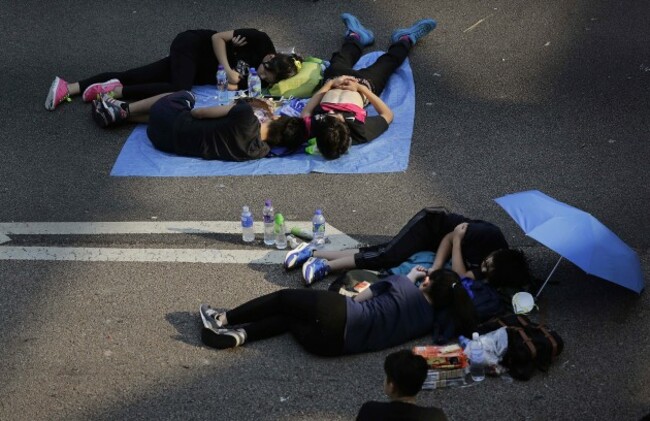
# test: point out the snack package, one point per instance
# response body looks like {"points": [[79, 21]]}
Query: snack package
{"points": [[443, 357]]}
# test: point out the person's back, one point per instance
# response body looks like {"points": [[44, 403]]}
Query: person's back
{"points": [[399, 411], [405, 375]]}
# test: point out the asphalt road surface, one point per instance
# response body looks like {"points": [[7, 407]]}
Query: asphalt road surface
{"points": [[510, 96]]}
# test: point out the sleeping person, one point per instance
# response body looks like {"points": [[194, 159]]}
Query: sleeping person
{"points": [[241, 131], [336, 113]]}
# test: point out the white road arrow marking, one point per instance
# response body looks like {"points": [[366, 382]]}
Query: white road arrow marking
{"points": [[255, 254]]}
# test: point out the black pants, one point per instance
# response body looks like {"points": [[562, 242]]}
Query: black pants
{"points": [[316, 318], [162, 118], [178, 71], [378, 73], [423, 232]]}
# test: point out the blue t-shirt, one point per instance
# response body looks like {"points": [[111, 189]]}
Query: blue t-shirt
{"points": [[397, 313]]}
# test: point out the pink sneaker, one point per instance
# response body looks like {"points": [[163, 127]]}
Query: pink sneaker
{"points": [[57, 94], [96, 89]]}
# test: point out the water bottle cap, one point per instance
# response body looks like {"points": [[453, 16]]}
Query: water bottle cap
{"points": [[318, 212], [252, 71], [279, 219], [267, 202], [475, 336], [220, 67], [245, 209]]}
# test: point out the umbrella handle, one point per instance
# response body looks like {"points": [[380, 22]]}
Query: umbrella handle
{"points": [[549, 277]]}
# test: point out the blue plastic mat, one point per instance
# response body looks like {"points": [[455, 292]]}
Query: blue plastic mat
{"points": [[387, 153]]}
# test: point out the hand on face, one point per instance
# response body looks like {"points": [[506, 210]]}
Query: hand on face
{"points": [[417, 272]]}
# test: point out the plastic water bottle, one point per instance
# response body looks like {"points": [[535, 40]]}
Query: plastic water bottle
{"points": [[280, 232], [302, 233], [269, 220], [476, 359], [222, 85], [463, 341], [318, 228], [248, 232], [254, 84]]}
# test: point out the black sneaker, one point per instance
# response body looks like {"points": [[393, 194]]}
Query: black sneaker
{"points": [[223, 338], [108, 111]]}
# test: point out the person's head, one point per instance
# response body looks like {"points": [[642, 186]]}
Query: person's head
{"points": [[507, 268], [289, 132], [405, 374], [446, 293], [332, 134], [277, 67]]}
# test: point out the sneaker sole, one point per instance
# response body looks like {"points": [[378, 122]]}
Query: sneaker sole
{"points": [[306, 276], [99, 117], [206, 323], [49, 101], [292, 261]]}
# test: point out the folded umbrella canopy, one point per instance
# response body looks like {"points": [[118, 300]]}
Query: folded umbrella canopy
{"points": [[575, 235]]}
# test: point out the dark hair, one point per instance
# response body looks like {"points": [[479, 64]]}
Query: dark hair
{"points": [[406, 371], [332, 136], [289, 132], [283, 66], [448, 296], [509, 269]]}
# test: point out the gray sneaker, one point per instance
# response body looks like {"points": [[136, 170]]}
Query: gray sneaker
{"points": [[209, 318]]}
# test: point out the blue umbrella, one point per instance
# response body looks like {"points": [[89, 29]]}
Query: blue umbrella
{"points": [[575, 235]]}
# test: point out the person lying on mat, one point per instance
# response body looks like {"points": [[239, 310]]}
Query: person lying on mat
{"points": [[241, 131], [193, 59], [335, 114], [477, 250], [389, 313], [405, 375]]}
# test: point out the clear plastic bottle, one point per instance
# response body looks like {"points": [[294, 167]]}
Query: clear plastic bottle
{"points": [[248, 232], [222, 85], [318, 228], [476, 358], [280, 232], [269, 220], [254, 84]]}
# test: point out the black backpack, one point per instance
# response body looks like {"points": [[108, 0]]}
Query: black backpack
{"points": [[531, 345]]}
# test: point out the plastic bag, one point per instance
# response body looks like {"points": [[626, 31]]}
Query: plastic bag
{"points": [[495, 345]]}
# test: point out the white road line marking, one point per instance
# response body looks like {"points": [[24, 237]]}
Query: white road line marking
{"points": [[103, 254], [256, 254], [143, 227]]}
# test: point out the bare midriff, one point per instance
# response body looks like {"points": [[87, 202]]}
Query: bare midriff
{"points": [[342, 96]]}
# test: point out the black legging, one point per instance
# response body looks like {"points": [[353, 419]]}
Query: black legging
{"points": [[378, 73], [178, 71], [316, 318], [424, 232]]}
